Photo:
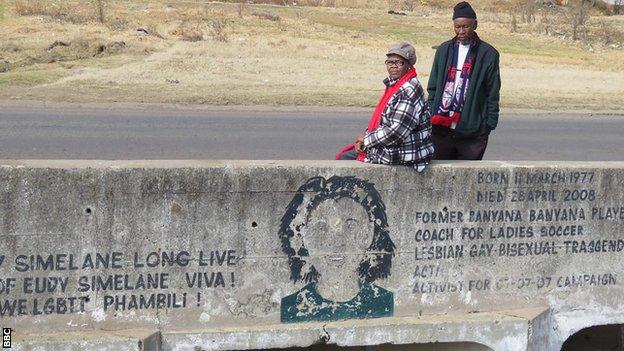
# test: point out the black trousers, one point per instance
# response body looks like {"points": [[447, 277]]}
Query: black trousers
{"points": [[450, 145]]}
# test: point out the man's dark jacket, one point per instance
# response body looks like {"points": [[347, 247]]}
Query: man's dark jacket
{"points": [[483, 95]]}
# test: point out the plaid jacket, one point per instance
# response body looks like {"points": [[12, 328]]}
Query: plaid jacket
{"points": [[404, 136]]}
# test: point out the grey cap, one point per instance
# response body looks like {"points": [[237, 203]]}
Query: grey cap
{"points": [[405, 50]]}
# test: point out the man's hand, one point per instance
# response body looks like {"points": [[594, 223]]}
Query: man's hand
{"points": [[359, 143]]}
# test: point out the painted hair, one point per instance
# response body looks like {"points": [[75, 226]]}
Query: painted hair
{"points": [[378, 260]]}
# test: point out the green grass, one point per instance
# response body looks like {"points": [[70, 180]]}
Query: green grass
{"points": [[518, 46], [29, 78]]}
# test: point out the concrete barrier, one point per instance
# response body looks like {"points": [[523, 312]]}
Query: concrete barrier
{"points": [[190, 255]]}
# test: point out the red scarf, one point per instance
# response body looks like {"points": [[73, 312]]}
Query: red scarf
{"points": [[375, 120]]}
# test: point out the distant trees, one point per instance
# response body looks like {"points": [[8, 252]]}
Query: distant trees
{"points": [[618, 7], [579, 15]]}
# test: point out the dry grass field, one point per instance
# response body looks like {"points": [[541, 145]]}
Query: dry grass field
{"points": [[265, 54]]}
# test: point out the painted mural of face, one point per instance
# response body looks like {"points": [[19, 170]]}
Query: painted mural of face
{"points": [[338, 234], [335, 233]]}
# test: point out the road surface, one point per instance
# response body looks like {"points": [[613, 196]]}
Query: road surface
{"points": [[169, 133]]}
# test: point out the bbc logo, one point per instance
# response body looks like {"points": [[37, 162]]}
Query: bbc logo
{"points": [[6, 338]]}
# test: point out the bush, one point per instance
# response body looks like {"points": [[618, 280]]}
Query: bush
{"points": [[618, 7], [578, 15], [187, 32], [99, 5], [38, 8], [610, 36], [60, 11], [217, 28], [267, 16], [408, 5]]}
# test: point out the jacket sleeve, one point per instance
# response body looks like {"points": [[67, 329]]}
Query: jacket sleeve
{"points": [[493, 85], [432, 84], [403, 118]]}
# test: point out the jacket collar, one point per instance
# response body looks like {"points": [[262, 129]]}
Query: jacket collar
{"points": [[389, 81]]}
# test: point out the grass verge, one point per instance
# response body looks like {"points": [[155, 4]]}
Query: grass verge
{"points": [[243, 54]]}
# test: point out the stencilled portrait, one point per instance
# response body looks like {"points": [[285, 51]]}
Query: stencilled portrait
{"points": [[335, 233]]}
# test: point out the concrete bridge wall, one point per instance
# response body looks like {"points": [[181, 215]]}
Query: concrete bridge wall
{"points": [[188, 255]]}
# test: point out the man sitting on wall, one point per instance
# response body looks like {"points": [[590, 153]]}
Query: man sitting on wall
{"points": [[399, 131]]}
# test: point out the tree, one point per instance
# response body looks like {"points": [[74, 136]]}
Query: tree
{"points": [[579, 15]]}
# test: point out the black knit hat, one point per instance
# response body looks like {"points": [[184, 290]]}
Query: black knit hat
{"points": [[464, 10]]}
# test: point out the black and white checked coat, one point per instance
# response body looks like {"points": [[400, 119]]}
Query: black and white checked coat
{"points": [[404, 135]]}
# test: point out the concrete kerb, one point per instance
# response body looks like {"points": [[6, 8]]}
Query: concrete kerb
{"points": [[480, 328], [101, 340]]}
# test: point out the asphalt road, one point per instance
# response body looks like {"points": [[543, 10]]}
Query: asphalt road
{"points": [[168, 133]]}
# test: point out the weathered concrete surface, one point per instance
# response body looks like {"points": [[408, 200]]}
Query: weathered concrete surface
{"points": [[131, 340], [505, 330], [243, 255]]}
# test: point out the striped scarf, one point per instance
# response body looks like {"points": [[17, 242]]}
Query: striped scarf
{"points": [[451, 103]]}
